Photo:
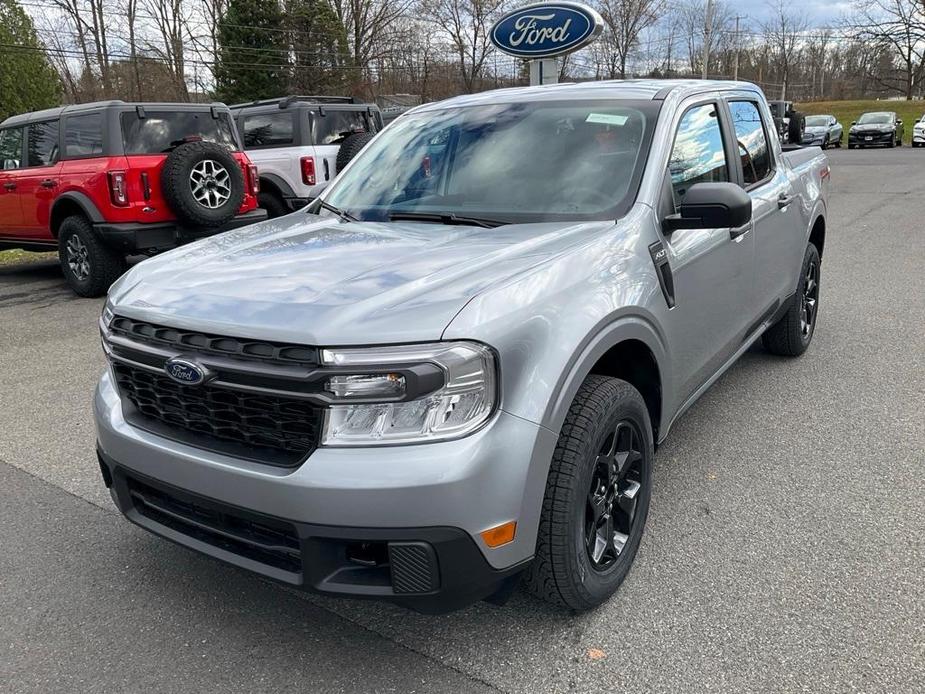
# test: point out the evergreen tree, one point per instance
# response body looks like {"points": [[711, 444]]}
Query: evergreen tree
{"points": [[253, 58], [28, 82], [319, 48]]}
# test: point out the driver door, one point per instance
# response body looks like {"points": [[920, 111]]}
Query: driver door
{"points": [[712, 271]]}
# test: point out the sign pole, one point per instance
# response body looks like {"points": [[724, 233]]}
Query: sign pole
{"points": [[544, 71]]}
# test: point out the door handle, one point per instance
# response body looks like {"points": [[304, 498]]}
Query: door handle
{"points": [[783, 200], [48, 183], [9, 186], [738, 232]]}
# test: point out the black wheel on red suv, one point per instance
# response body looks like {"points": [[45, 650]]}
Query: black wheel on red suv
{"points": [[88, 265], [203, 184]]}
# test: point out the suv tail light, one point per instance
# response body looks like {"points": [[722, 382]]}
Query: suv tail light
{"points": [[118, 191], [253, 179], [308, 170]]}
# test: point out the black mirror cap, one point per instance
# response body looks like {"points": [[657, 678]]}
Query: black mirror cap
{"points": [[712, 206], [854, 122]]}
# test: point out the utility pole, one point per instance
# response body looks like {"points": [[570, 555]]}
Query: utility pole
{"points": [[735, 74], [707, 37]]}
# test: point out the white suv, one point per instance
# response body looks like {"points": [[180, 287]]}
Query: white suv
{"points": [[918, 133], [299, 143]]}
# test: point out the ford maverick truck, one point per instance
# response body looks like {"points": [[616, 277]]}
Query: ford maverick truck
{"points": [[449, 373]]}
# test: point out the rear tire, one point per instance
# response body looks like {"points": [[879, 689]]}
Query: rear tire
{"points": [[89, 267], [597, 496], [791, 335], [273, 204]]}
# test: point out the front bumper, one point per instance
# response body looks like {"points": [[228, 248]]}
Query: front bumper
{"points": [[428, 500], [133, 237], [875, 139]]}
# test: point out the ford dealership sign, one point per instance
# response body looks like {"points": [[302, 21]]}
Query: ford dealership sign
{"points": [[543, 31]]}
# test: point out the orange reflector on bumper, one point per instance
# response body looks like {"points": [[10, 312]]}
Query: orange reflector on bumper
{"points": [[500, 535]]}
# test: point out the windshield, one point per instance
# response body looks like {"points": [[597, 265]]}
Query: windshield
{"points": [[160, 131], [881, 118], [816, 121], [505, 162]]}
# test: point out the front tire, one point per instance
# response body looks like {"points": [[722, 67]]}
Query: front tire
{"points": [[273, 204], [597, 496], [791, 335], [89, 267]]}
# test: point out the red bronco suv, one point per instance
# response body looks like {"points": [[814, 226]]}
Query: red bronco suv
{"points": [[102, 181]]}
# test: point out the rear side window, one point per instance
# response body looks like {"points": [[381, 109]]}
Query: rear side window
{"points": [[268, 130], [161, 131], [336, 126], [10, 148], [752, 141], [698, 155], [83, 135], [42, 144]]}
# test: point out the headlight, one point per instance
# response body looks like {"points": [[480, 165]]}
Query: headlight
{"points": [[107, 314], [459, 385]]}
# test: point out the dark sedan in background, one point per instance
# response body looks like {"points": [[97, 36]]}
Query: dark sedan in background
{"points": [[824, 131], [876, 129]]}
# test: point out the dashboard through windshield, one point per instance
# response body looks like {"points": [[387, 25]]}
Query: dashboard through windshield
{"points": [[508, 163]]}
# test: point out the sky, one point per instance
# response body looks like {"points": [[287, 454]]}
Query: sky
{"points": [[819, 12]]}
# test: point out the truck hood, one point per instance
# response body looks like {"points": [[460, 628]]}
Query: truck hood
{"points": [[320, 281]]}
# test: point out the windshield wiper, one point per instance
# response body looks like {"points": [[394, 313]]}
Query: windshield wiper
{"points": [[446, 219], [345, 216]]}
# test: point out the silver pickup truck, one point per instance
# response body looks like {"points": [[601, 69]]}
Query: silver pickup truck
{"points": [[450, 373]]}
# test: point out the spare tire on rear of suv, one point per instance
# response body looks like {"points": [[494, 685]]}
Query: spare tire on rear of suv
{"points": [[350, 147], [203, 184]]}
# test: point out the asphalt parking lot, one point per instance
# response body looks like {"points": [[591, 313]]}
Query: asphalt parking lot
{"points": [[785, 550]]}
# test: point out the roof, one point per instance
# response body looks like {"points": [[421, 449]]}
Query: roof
{"points": [[641, 89], [50, 113]]}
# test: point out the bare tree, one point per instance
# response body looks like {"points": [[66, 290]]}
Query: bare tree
{"points": [[898, 25], [369, 25], [170, 21], [90, 28], [783, 32], [626, 20], [467, 24]]}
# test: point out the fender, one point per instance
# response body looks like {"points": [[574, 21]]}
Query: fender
{"points": [[82, 201], [280, 183], [608, 335]]}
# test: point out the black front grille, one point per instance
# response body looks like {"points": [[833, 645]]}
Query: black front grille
{"points": [[263, 427], [192, 341], [256, 537]]}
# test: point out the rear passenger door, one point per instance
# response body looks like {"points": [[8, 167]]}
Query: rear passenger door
{"points": [[776, 218], [712, 272], [38, 181], [11, 149]]}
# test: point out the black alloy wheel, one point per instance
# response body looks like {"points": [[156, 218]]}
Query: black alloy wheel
{"points": [[810, 298], [613, 496]]}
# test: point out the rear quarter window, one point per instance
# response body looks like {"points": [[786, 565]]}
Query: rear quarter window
{"points": [[83, 135], [161, 131], [268, 130], [42, 144]]}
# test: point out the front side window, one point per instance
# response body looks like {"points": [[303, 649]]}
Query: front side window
{"points": [[268, 130], [10, 148], [511, 163], [751, 141], [42, 144], [162, 131], [336, 126], [698, 155], [83, 135]]}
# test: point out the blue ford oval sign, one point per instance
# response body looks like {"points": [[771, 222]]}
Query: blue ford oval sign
{"points": [[543, 31], [184, 371]]}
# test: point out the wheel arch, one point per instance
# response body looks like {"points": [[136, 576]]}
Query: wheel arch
{"points": [[276, 184], [69, 204], [817, 233], [630, 349]]}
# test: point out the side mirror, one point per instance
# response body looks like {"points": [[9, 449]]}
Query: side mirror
{"points": [[899, 121], [711, 206], [854, 122]]}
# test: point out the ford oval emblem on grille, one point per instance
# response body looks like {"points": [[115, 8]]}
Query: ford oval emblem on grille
{"points": [[187, 372]]}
